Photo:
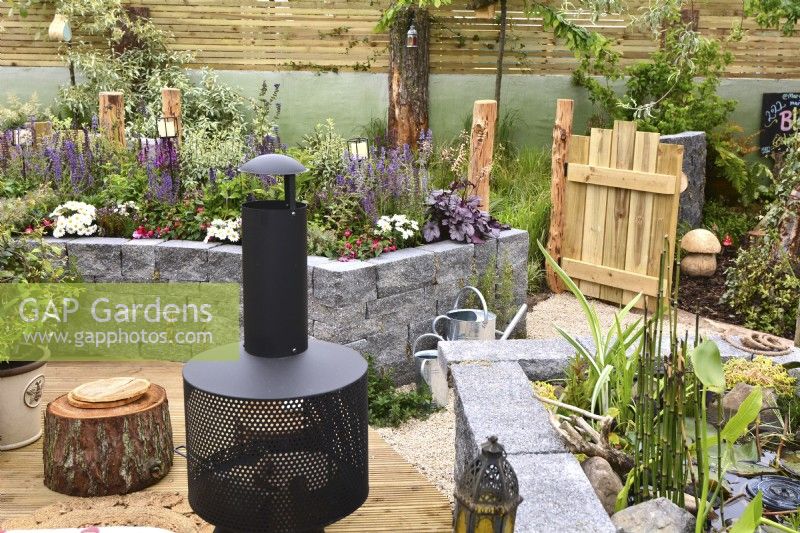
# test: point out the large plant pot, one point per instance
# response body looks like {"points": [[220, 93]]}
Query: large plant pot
{"points": [[21, 388]]}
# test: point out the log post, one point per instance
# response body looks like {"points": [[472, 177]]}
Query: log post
{"points": [[171, 107], [112, 117], [484, 117], [42, 129], [562, 132], [105, 451]]}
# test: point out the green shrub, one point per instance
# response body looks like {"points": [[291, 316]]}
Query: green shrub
{"points": [[725, 220], [389, 406], [28, 210], [763, 286]]}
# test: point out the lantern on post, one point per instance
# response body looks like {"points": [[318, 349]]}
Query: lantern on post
{"points": [[168, 130], [358, 148], [487, 495], [412, 38]]}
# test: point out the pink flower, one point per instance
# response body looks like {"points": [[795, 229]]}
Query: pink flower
{"points": [[347, 233], [348, 245], [29, 230], [727, 241]]}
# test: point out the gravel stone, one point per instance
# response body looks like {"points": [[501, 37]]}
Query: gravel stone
{"points": [[225, 263], [99, 258], [183, 260], [403, 270], [139, 259], [654, 516]]}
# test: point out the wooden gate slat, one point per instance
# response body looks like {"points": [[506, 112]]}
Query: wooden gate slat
{"points": [[615, 238], [596, 202], [623, 179], [665, 210], [641, 213], [610, 277], [574, 199]]}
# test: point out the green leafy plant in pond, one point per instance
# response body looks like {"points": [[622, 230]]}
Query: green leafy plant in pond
{"points": [[389, 406], [760, 371], [762, 285], [608, 363], [709, 371]]}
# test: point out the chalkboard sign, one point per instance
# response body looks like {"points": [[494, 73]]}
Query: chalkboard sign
{"points": [[777, 116]]}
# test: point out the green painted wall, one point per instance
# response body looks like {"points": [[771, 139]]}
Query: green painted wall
{"points": [[352, 99]]}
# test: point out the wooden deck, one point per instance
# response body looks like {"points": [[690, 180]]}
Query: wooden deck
{"points": [[400, 498]]}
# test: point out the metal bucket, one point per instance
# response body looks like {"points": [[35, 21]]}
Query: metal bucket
{"points": [[467, 324], [424, 361]]}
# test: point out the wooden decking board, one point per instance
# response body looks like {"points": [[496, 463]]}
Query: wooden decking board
{"points": [[400, 498]]}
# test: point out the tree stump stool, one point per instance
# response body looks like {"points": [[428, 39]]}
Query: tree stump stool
{"points": [[103, 451]]}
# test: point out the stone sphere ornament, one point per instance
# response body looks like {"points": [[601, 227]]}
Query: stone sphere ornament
{"points": [[487, 495], [702, 248]]}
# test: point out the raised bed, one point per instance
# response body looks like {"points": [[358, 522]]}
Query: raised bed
{"points": [[378, 306]]}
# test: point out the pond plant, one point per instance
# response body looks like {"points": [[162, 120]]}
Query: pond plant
{"points": [[651, 391]]}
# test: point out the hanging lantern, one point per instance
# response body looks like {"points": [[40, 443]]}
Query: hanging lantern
{"points": [[487, 495], [412, 38], [59, 29]]}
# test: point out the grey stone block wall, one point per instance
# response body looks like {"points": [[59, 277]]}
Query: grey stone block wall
{"points": [[694, 166], [379, 306]]}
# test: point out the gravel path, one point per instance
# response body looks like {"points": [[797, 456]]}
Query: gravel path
{"points": [[429, 444]]}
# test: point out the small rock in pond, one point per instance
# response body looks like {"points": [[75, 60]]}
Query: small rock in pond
{"points": [[733, 400], [654, 516], [605, 482]]}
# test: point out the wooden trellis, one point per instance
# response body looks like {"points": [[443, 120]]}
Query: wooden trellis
{"points": [[621, 194]]}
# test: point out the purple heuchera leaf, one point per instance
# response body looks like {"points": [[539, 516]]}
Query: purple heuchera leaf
{"points": [[458, 217]]}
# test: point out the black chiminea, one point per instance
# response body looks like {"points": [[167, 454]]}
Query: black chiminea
{"points": [[276, 441]]}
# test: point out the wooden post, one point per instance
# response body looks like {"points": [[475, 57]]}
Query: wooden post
{"points": [[42, 129], [112, 117], [484, 117], [171, 107], [562, 132]]}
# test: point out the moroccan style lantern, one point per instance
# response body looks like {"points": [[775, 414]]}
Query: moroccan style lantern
{"points": [[412, 37], [487, 495]]}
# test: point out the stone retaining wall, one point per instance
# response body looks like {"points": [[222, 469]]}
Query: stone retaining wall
{"points": [[378, 306]]}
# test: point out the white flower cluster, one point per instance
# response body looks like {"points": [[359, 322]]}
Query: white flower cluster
{"points": [[74, 218], [396, 225], [224, 230], [126, 208]]}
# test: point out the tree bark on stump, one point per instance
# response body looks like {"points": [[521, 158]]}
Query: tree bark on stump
{"points": [[408, 78], [100, 452]]}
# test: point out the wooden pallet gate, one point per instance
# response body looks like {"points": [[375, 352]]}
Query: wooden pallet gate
{"points": [[620, 191]]}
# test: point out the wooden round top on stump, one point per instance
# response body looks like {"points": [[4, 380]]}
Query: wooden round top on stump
{"points": [[104, 451]]}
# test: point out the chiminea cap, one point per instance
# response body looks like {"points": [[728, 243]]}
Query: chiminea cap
{"points": [[273, 165]]}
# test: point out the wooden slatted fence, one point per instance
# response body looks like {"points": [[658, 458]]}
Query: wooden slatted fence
{"points": [[620, 202], [339, 35]]}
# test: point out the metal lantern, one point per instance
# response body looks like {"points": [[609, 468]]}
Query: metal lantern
{"points": [[358, 148], [412, 38], [487, 495], [167, 127]]}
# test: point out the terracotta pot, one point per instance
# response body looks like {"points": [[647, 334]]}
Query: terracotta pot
{"points": [[21, 388]]}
